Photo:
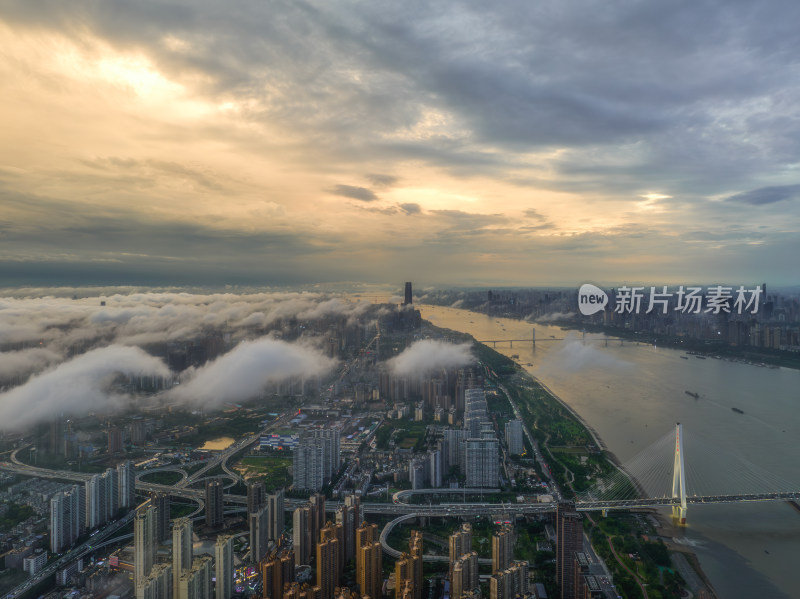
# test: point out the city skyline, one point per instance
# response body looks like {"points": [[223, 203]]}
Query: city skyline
{"points": [[176, 143]]}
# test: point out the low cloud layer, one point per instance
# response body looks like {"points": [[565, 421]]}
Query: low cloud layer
{"points": [[59, 323], [121, 332], [577, 356], [243, 373], [76, 387], [19, 364], [429, 355]]}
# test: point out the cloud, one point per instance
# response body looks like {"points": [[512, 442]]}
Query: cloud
{"points": [[577, 356], [766, 195], [19, 364], [533, 214], [411, 208], [428, 355], [243, 373], [382, 180], [551, 316], [81, 385], [356, 193]]}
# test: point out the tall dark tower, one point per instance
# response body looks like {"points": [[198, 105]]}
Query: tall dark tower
{"points": [[408, 299]]}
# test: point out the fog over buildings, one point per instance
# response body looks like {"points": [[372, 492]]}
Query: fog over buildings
{"points": [[73, 356]]}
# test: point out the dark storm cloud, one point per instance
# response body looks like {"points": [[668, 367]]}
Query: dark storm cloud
{"points": [[767, 195], [355, 193]]}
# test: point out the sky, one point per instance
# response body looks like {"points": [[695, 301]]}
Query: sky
{"points": [[526, 143]]}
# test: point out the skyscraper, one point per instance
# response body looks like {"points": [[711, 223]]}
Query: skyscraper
{"points": [[482, 462], [145, 544], [369, 561], [157, 584], [277, 570], [335, 531], [307, 465], [102, 499], [510, 582], [114, 439], [465, 575], [223, 560], [460, 542], [162, 503], [214, 503], [403, 573], [259, 540], [569, 533], [126, 481], [256, 496], [317, 504], [301, 534], [502, 548], [182, 552], [328, 566], [196, 583], [67, 511], [277, 515], [409, 298], [514, 441], [415, 553]]}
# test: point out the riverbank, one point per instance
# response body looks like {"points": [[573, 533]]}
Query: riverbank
{"points": [[666, 528]]}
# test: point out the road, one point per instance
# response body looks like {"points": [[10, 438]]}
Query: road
{"points": [[74, 554]]}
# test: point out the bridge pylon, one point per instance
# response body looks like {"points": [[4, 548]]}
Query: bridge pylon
{"points": [[679, 478]]}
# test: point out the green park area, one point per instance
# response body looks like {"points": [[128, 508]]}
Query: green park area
{"points": [[272, 469], [167, 477]]}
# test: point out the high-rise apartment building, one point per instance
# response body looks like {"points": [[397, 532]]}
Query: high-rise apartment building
{"points": [[510, 582], [114, 439], [277, 515], [307, 465], [157, 584], [464, 577], [482, 462], [126, 482], [102, 498], [162, 503], [369, 561], [317, 504], [67, 518], [223, 566], [145, 544], [569, 540], [277, 570], [502, 548], [349, 516], [514, 440], [460, 542], [335, 531], [196, 582], [301, 534], [182, 552], [256, 496], [259, 539], [214, 503], [328, 567]]}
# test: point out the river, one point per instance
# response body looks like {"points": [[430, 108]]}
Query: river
{"points": [[633, 394]]}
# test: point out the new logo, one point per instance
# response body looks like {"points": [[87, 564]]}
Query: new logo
{"points": [[591, 299]]}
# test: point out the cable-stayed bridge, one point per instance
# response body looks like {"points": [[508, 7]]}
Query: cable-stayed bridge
{"points": [[678, 470]]}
